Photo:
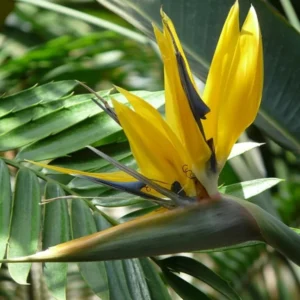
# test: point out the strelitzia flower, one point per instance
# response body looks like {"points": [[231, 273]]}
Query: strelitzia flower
{"points": [[180, 157]]}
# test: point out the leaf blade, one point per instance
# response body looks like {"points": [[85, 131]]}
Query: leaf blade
{"points": [[196, 269], [93, 273], [56, 212], [250, 188], [184, 289], [5, 207], [25, 224]]}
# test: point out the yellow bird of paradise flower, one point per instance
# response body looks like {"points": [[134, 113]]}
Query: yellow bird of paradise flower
{"points": [[180, 157]]}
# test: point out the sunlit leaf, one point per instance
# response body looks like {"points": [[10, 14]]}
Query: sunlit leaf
{"points": [[248, 189], [240, 148]]}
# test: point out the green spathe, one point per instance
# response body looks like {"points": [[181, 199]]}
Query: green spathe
{"points": [[204, 226]]}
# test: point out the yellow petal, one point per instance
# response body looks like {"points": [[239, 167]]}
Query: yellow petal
{"points": [[236, 87], [155, 154], [118, 176], [244, 89], [149, 113], [178, 113], [172, 34], [218, 73]]}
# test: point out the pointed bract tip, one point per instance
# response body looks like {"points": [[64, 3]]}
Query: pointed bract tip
{"points": [[252, 10], [162, 13]]}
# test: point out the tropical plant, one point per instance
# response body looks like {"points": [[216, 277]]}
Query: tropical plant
{"points": [[236, 243]]}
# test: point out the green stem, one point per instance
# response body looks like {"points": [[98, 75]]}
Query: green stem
{"points": [[88, 18], [64, 187], [291, 14]]}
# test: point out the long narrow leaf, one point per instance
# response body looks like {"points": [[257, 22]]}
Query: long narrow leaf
{"points": [[184, 289], [25, 225], [248, 189], [56, 230], [93, 273], [195, 268], [5, 207], [35, 95]]}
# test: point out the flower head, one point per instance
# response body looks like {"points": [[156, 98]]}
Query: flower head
{"points": [[180, 157]]}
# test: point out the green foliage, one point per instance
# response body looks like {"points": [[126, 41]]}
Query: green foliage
{"points": [[51, 46]]}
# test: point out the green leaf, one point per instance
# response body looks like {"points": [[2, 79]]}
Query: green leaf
{"points": [[34, 123], [240, 148], [25, 225], [35, 95], [5, 207], [248, 189], [93, 273], [96, 21], [117, 281], [120, 199], [56, 212], [184, 289], [139, 213], [281, 45], [157, 288], [85, 159], [118, 287], [196, 269], [274, 232], [297, 230], [126, 278], [136, 279], [84, 133]]}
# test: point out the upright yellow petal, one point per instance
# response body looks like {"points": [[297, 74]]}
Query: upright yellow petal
{"points": [[156, 156], [178, 113], [170, 32], [242, 94], [218, 76]]}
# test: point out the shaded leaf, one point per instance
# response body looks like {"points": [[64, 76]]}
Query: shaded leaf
{"points": [[138, 213], [5, 207], [136, 279], [56, 230], [157, 288], [196, 269], [117, 281], [184, 289], [98, 129], [25, 224], [126, 279], [93, 273], [6, 7]]}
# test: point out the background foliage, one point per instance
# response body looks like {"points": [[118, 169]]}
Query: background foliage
{"points": [[52, 47]]}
